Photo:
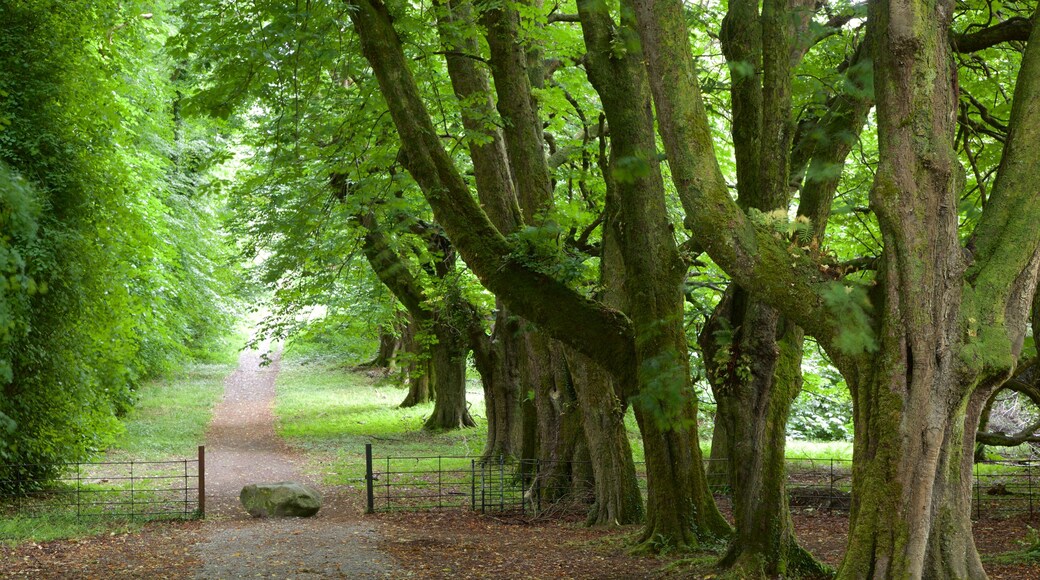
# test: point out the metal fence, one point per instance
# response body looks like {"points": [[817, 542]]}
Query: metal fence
{"points": [[1006, 488], [411, 483], [1000, 489], [112, 489]]}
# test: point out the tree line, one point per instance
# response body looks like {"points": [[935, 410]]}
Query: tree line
{"points": [[590, 163], [112, 268], [606, 204]]}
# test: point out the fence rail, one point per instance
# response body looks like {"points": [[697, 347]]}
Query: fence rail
{"points": [[111, 489], [413, 483]]}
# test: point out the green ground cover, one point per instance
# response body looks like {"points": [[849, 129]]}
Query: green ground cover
{"points": [[332, 412], [167, 423]]}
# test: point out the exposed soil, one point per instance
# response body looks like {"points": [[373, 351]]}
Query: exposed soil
{"points": [[242, 447]]}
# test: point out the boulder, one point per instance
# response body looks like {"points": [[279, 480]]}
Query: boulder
{"points": [[283, 499]]}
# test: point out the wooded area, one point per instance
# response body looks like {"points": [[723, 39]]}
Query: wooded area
{"points": [[643, 205]]}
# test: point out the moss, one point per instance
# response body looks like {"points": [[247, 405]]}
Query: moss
{"points": [[986, 346]]}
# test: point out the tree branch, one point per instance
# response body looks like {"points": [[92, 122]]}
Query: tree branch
{"points": [[823, 144], [750, 254], [603, 334], [1006, 238], [470, 83], [557, 17], [1017, 28]]}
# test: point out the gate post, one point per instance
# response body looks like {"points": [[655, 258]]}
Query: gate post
{"points": [[202, 481], [371, 505]]}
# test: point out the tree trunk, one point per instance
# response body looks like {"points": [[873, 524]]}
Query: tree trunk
{"points": [[417, 371], [754, 366], [448, 358], [502, 389], [679, 506], [911, 509], [386, 357], [949, 329], [561, 438], [618, 499]]}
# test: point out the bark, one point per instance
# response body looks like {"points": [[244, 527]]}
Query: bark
{"points": [[603, 401], [786, 278], [949, 333], [490, 162], [618, 499], [562, 448], [492, 174], [522, 127], [679, 505], [390, 344], [502, 388], [601, 333], [754, 367], [417, 371], [753, 354], [1016, 28]]}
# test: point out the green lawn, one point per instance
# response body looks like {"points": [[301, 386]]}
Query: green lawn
{"points": [[333, 413]]}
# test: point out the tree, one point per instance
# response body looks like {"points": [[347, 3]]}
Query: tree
{"points": [[112, 259], [449, 323], [938, 327], [653, 357]]}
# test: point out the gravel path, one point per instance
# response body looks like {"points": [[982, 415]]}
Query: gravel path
{"points": [[241, 448]]}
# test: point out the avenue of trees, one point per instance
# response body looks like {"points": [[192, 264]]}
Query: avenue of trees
{"points": [[605, 206]]}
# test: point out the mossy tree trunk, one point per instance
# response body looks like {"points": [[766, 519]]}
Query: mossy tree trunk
{"points": [[754, 367], [603, 399], [950, 329], [499, 364], [562, 448], [618, 499], [943, 323], [448, 359], [752, 353], [514, 160], [416, 372], [507, 162], [679, 506]]}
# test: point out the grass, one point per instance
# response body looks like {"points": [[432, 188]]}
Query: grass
{"points": [[167, 423], [171, 415], [836, 450], [332, 413], [46, 527], [172, 412]]}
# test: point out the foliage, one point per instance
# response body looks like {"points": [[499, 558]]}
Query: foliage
{"points": [[850, 309], [19, 212], [823, 410], [113, 268]]}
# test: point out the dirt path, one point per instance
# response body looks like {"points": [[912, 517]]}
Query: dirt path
{"points": [[241, 448]]}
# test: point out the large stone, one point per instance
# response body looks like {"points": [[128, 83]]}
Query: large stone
{"points": [[283, 499]]}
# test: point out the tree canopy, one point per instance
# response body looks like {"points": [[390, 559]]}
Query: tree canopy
{"points": [[609, 205]]}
